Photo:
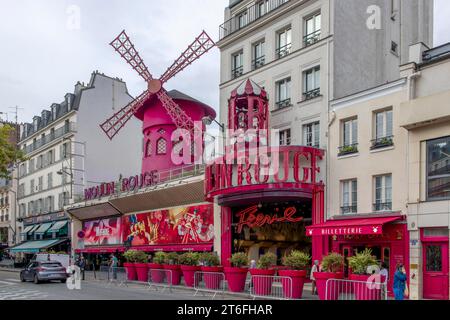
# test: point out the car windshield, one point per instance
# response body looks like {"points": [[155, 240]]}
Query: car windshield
{"points": [[51, 265]]}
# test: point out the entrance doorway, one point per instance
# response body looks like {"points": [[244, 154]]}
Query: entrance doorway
{"points": [[435, 270]]}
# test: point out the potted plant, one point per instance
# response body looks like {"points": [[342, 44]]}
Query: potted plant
{"points": [[296, 262], [264, 274], [156, 272], [332, 266], [212, 270], [236, 275], [359, 264], [141, 265], [171, 263], [189, 266], [129, 265]]}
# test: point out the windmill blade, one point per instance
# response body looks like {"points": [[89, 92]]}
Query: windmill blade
{"points": [[113, 125], [125, 48], [201, 45], [178, 116]]}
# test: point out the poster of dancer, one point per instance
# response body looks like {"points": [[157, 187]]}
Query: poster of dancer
{"points": [[102, 232]]}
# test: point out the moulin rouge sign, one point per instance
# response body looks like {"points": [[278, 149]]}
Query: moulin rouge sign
{"points": [[125, 185]]}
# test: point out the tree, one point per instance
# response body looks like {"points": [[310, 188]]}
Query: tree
{"points": [[9, 154]]}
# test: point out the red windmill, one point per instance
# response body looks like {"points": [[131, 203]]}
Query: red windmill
{"points": [[180, 109]]}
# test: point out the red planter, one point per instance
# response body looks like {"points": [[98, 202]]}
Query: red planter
{"points": [[321, 283], [236, 278], [131, 271], [293, 289], [174, 276], [213, 277], [141, 271], [364, 289], [262, 285], [189, 274], [156, 272]]}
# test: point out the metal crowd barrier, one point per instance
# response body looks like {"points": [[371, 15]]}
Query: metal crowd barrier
{"points": [[271, 287], [338, 289], [113, 275], [160, 279], [209, 282]]}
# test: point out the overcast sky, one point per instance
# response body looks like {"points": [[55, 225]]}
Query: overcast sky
{"points": [[43, 53]]}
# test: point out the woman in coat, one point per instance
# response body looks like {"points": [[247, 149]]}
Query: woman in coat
{"points": [[399, 283]]}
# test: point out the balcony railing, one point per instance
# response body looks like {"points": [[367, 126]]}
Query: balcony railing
{"points": [[237, 72], [283, 51], [58, 133], [348, 149], [382, 142], [283, 104], [311, 38], [258, 62], [308, 95], [349, 209], [250, 15], [382, 206]]}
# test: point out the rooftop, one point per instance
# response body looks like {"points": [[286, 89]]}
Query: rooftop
{"points": [[436, 53]]}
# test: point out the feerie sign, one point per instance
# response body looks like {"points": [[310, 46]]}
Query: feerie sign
{"points": [[129, 184]]}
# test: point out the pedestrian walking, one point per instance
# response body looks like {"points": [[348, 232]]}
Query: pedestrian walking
{"points": [[82, 266], [113, 265], [400, 286], [315, 268]]}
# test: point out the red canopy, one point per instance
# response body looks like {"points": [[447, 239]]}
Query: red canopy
{"points": [[358, 226]]}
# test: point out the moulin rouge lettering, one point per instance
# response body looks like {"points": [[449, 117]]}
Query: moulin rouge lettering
{"points": [[251, 218]]}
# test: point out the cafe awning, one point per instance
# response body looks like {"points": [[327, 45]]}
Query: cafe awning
{"points": [[357, 226], [36, 246], [28, 229], [43, 228], [57, 226]]}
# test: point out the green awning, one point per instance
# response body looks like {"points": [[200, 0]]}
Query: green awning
{"points": [[35, 246], [28, 229], [43, 228], [57, 226]]}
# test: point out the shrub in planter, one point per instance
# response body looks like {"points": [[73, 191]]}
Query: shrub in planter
{"points": [[296, 263], [236, 275], [332, 266], [156, 274], [141, 265], [212, 270], [363, 289], [129, 265], [189, 265], [263, 274], [171, 263]]}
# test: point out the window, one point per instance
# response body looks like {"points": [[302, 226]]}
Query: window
{"points": [[161, 146], [284, 42], [40, 183], [311, 135], [383, 193], [285, 137], [312, 29], [21, 190], [50, 180], [349, 137], [438, 169], [383, 130], [283, 93], [148, 148], [263, 7], [30, 208], [394, 47], [311, 83], [242, 19], [31, 167], [258, 55], [23, 170], [50, 157], [349, 196], [31, 186], [237, 64]]}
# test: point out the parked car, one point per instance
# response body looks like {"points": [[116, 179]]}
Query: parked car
{"points": [[38, 271]]}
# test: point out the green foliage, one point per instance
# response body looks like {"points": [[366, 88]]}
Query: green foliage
{"points": [[210, 259], [190, 258], [297, 260], [334, 262], [239, 260], [160, 257], [359, 262], [9, 154], [266, 261], [135, 256], [172, 258]]}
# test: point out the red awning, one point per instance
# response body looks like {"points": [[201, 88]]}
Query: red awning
{"points": [[166, 248], [100, 250], [359, 226]]}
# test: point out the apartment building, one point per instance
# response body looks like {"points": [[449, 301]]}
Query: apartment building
{"points": [[67, 152]]}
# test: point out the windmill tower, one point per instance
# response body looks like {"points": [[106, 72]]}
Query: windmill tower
{"points": [[161, 112]]}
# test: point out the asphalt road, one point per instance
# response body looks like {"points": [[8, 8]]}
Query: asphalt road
{"points": [[12, 289]]}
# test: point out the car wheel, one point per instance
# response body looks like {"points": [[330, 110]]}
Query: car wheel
{"points": [[63, 280], [36, 279], [22, 279]]}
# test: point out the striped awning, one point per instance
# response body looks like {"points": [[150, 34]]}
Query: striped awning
{"points": [[57, 226], [43, 228]]}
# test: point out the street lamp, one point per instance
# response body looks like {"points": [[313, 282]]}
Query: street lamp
{"points": [[208, 120]]}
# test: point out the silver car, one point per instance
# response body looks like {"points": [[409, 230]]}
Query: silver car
{"points": [[38, 271]]}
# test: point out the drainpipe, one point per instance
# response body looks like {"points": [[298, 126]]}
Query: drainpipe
{"points": [[411, 92]]}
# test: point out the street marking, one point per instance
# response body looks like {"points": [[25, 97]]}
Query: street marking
{"points": [[7, 283]]}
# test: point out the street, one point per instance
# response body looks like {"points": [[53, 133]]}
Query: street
{"points": [[12, 289]]}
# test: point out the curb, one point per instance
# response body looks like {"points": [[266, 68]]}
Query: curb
{"points": [[10, 270]]}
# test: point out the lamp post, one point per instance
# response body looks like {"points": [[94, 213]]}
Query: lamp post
{"points": [[208, 120]]}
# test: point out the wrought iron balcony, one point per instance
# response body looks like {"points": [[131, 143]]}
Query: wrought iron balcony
{"points": [[283, 104], [283, 51], [308, 95], [349, 209], [236, 73], [382, 206], [382, 142], [58, 133], [247, 17], [258, 62], [311, 38], [348, 149]]}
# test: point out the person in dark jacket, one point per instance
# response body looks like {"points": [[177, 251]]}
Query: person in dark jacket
{"points": [[400, 282]]}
